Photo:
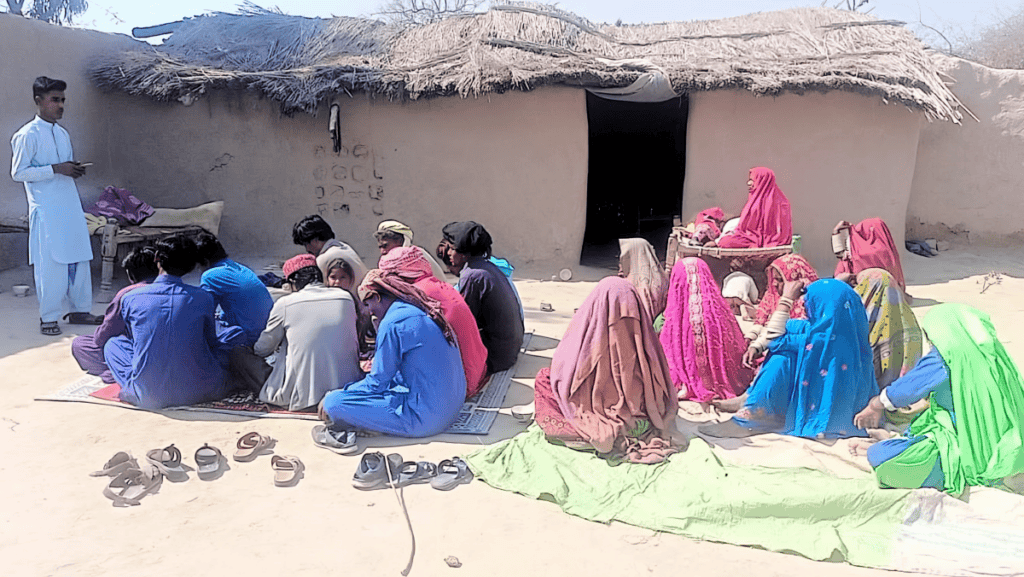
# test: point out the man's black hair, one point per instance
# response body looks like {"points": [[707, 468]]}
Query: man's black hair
{"points": [[140, 264], [177, 255], [42, 85], [311, 228], [304, 276], [208, 249]]}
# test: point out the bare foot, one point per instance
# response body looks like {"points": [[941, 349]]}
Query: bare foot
{"points": [[859, 447], [730, 405]]}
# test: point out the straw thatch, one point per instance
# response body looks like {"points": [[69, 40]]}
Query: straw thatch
{"points": [[301, 61]]}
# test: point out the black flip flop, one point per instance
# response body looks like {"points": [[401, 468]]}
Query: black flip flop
{"points": [[50, 329], [83, 319], [413, 472]]}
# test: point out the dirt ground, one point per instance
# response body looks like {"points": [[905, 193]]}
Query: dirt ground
{"points": [[56, 521]]}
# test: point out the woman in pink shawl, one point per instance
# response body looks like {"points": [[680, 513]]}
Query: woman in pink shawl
{"points": [[411, 266], [766, 219], [701, 337], [870, 246], [608, 388]]}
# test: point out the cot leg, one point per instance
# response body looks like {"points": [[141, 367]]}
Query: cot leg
{"points": [[108, 250]]}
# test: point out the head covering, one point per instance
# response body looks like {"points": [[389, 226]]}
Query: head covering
{"points": [[376, 279], [820, 373], [610, 378], [468, 237], [896, 340], [332, 257], [987, 442], [701, 337], [706, 224], [741, 286], [790, 267], [406, 262], [397, 227], [871, 246], [640, 266], [766, 219], [298, 262]]}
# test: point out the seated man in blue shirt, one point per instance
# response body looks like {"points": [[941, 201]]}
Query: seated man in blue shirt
{"points": [[243, 300], [171, 354]]}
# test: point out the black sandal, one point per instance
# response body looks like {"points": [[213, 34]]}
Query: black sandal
{"points": [[83, 319], [50, 329]]}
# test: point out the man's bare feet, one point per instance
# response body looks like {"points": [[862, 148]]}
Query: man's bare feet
{"points": [[730, 405]]}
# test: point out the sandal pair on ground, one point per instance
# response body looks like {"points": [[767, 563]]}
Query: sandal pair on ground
{"points": [[288, 469], [131, 481], [376, 471], [52, 328]]}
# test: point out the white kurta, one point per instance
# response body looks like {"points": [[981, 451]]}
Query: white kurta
{"points": [[57, 228]]}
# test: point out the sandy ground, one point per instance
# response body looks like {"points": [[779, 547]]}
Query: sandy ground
{"points": [[56, 521]]}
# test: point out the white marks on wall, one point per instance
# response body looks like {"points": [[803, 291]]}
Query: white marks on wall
{"points": [[349, 182]]}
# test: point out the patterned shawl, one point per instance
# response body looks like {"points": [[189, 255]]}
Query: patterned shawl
{"points": [[895, 336], [790, 267], [392, 283], [701, 337]]}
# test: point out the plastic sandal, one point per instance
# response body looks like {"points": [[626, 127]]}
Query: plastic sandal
{"points": [[450, 474], [83, 319], [50, 329], [116, 465], [250, 446], [341, 442], [208, 461], [287, 470], [168, 462], [133, 485], [416, 472], [373, 471]]}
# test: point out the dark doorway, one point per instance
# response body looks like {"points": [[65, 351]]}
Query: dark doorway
{"points": [[635, 180]]}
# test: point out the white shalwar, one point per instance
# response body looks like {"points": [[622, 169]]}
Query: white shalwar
{"points": [[58, 241]]}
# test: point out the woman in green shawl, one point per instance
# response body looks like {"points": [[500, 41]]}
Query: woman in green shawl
{"points": [[973, 431]]}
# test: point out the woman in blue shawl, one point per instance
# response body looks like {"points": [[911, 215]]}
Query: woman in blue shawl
{"points": [[816, 376]]}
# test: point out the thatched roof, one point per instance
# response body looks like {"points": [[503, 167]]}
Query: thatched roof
{"points": [[301, 61]]}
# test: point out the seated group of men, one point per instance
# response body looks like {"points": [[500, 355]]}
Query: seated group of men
{"points": [[168, 343]]}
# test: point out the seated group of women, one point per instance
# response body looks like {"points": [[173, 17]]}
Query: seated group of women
{"points": [[829, 358]]}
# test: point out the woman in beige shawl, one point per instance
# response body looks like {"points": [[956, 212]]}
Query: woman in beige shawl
{"points": [[639, 265]]}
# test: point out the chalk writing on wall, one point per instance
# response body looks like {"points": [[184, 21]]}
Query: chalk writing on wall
{"points": [[356, 169]]}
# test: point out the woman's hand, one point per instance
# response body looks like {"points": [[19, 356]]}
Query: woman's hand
{"points": [[793, 289], [751, 355], [710, 244], [870, 416], [841, 225], [321, 414]]}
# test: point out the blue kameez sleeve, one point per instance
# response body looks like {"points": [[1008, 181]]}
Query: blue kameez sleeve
{"points": [[927, 375]]}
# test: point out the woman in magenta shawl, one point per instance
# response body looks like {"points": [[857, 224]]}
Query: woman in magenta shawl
{"points": [[766, 219], [701, 337]]}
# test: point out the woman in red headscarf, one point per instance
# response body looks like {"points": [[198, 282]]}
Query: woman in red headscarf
{"points": [[870, 245], [766, 219]]}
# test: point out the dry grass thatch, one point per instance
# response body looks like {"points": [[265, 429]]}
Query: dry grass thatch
{"points": [[301, 61]]}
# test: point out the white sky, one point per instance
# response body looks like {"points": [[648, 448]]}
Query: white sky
{"points": [[946, 15]]}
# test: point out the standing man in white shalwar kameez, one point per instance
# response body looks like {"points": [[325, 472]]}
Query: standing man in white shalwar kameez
{"points": [[58, 246]]}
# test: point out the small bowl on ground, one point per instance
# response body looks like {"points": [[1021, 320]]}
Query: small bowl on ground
{"points": [[20, 290], [523, 413]]}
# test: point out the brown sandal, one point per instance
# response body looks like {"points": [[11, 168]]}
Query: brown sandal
{"points": [[133, 485], [250, 446], [287, 470]]}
